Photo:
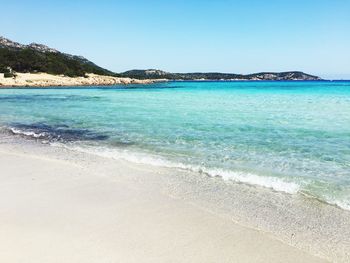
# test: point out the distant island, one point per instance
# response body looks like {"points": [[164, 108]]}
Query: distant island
{"points": [[155, 74], [39, 65]]}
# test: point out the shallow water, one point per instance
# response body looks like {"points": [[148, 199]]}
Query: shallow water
{"points": [[289, 136]]}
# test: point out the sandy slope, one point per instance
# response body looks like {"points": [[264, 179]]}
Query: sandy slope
{"points": [[80, 208], [45, 80]]}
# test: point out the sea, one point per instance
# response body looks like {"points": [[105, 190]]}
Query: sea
{"points": [[288, 136]]}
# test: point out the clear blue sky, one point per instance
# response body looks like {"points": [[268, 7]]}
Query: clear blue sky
{"points": [[191, 35]]}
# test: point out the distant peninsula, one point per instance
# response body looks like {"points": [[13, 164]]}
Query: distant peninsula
{"points": [[39, 65]]}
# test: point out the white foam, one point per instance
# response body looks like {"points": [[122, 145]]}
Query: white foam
{"points": [[274, 183], [27, 133], [344, 204]]}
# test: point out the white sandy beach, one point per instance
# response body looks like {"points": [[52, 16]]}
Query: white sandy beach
{"points": [[47, 80], [60, 206]]}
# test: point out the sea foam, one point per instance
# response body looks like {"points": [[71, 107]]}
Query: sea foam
{"points": [[277, 184], [27, 133]]}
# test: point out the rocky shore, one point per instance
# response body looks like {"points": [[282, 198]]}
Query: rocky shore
{"points": [[48, 80]]}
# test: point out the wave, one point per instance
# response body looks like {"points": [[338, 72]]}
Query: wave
{"points": [[277, 184], [28, 133], [52, 133]]}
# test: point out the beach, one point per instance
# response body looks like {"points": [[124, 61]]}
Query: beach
{"points": [[62, 206], [183, 131], [49, 80], [176, 171]]}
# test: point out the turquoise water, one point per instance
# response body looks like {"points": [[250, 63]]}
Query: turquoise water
{"points": [[289, 136]]}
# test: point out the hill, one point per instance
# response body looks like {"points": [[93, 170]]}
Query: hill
{"points": [[40, 58]]}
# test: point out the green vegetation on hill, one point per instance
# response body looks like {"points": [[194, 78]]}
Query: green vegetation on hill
{"points": [[30, 60]]}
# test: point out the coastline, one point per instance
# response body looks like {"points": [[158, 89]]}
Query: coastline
{"points": [[131, 212], [48, 80], [45, 80]]}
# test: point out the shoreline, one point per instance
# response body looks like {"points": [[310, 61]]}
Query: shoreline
{"points": [[45, 80], [240, 206], [30, 80]]}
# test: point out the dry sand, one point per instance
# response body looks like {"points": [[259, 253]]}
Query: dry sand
{"points": [[47, 80], [76, 207]]}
